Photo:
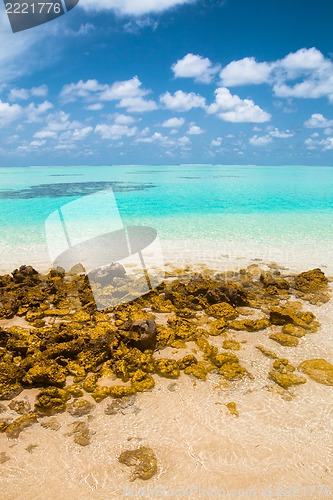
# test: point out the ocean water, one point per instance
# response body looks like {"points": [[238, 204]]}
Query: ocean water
{"points": [[240, 205]]}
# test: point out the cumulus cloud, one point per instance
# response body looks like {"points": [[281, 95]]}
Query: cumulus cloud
{"points": [[128, 93], [137, 105], [280, 134], [306, 74], [216, 143], [182, 101], [9, 113], [132, 7], [260, 140], [121, 119], [317, 120], [165, 141], [115, 131], [231, 108], [195, 130], [173, 122], [245, 71], [58, 123], [82, 89], [32, 113], [323, 144], [314, 70], [195, 66]]}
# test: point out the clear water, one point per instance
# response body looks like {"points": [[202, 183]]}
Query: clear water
{"points": [[254, 203]]}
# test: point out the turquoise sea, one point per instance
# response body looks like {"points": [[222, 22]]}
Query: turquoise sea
{"points": [[254, 204]]}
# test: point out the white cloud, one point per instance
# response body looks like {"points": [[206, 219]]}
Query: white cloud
{"points": [[313, 67], [195, 130], [322, 145], [9, 113], [18, 94], [260, 141], [115, 131], [182, 101], [123, 89], [280, 134], [232, 108], [95, 107], [216, 143], [34, 113], [132, 7], [84, 89], [303, 61], [79, 134], [195, 66], [137, 105], [40, 91], [128, 93], [135, 25], [59, 125], [317, 120], [306, 74], [165, 141], [173, 122], [124, 119], [245, 71]]}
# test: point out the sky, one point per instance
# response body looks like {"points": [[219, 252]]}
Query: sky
{"points": [[168, 82]]}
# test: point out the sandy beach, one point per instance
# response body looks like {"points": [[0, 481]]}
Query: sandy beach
{"points": [[279, 445]]}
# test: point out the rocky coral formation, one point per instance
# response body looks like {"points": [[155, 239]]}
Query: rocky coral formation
{"points": [[283, 375], [67, 348]]}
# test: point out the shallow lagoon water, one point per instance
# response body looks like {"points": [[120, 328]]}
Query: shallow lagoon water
{"points": [[228, 206]]}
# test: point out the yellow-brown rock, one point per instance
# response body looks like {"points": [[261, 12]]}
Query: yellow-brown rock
{"points": [[286, 380], [249, 325], [222, 310], [311, 281], [284, 339], [319, 370], [142, 459], [14, 429], [232, 408]]}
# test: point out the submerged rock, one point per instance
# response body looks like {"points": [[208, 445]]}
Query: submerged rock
{"points": [[232, 408], [319, 370], [286, 380], [284, 339], [14, 429], [80, 407], [20, 407], [142, 459], [81, 433]]}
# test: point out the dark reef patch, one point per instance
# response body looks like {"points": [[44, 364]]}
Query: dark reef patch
{"points": [[72, 189]]}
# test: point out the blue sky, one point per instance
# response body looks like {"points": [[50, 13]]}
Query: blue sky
{"points": [[170, 81]]}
